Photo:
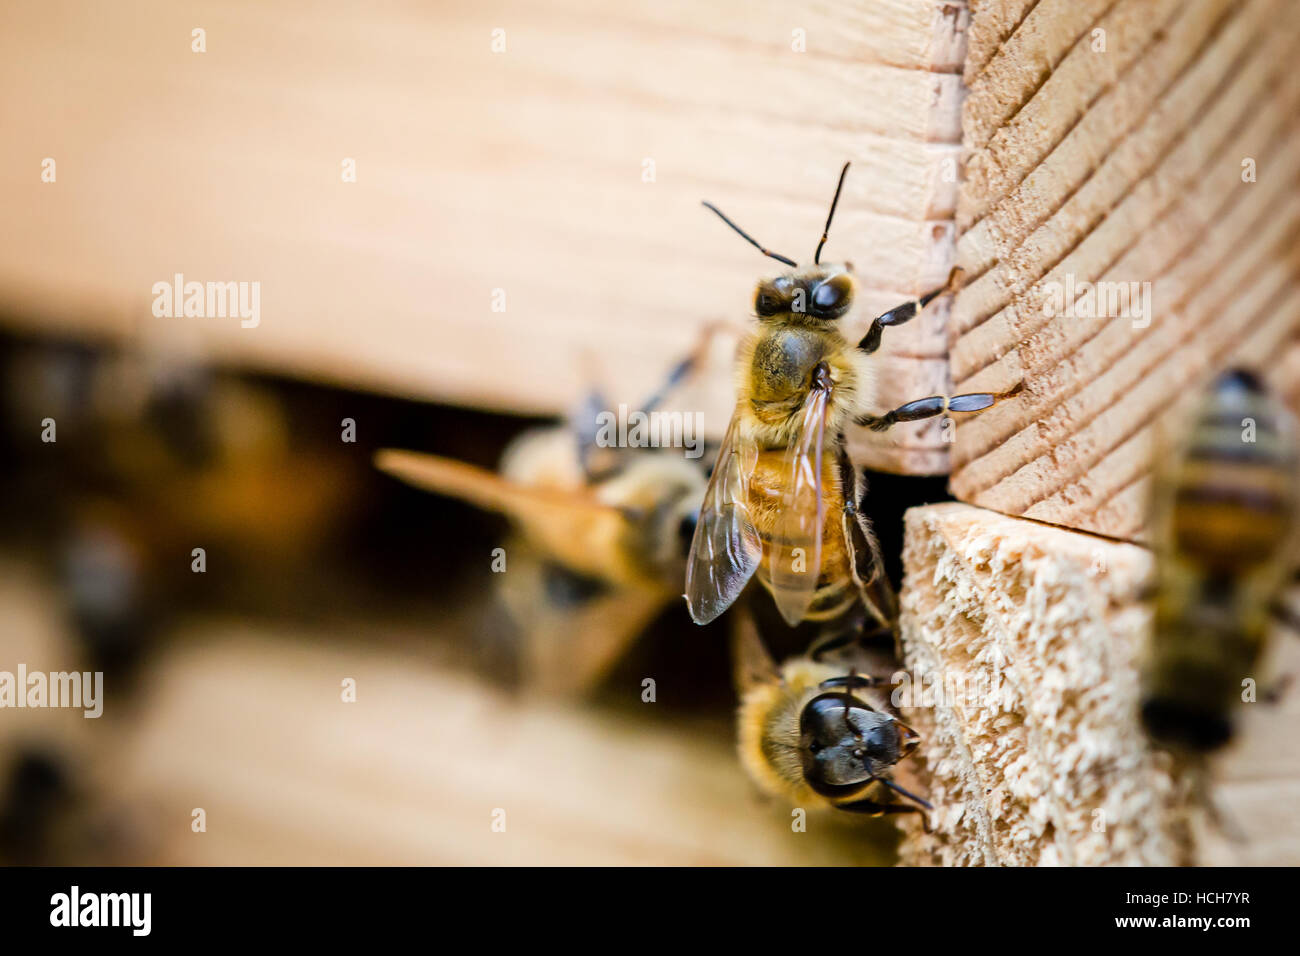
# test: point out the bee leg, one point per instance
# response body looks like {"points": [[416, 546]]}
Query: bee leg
{"points": [[829, 641], [1286, 616], [936, 405], [1273, 695], [873, 809], [685, 368], [856, 638], [865, 562], [594, 402], [857, 681], [903, 313]]}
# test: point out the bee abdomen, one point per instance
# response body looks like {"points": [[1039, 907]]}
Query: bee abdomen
{"points": [[1235, 499]]}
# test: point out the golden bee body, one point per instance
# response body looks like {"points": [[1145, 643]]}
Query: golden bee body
{"points": [[774, 369], [835, 590], [783, 505], [783, 502]]}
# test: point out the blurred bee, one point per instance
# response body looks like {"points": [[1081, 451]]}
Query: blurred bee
{"points": [[784, 500], [599, 534], [1227, 513], [158, 454], [817, 733]]}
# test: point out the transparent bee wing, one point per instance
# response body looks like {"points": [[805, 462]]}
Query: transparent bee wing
{"points": [[726, 548], [795, 561]]}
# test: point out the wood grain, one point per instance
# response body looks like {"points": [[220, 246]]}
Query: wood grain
{"points": [[1122, 166], [520, 171], [1036, 755]]}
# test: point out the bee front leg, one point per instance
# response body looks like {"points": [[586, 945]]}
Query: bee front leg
{"points": [[903, 313], [936, 405]]}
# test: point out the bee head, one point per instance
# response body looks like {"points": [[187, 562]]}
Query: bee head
{"points": [[844, 743], [825, 292]]}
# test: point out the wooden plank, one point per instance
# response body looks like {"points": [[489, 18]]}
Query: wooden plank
{"points": [[1122, 75], [1071, 185], [997, 20], [246, 721], [1029, 639], [520, 171], [1023, 62], [1125, 176]]}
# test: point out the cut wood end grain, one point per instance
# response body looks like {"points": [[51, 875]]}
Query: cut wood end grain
{"points": [[1031, 636]]}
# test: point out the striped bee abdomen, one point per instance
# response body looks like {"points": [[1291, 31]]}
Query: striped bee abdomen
{"points": [[1235, 493], [836, 590]]}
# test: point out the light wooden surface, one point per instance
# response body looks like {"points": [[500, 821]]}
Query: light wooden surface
{"points": [[476, 171], [1120, 166], [245, 720], [1054, 768], [254, 731]]}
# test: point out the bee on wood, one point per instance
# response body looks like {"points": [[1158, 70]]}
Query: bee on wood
{"points": [[599, 534], [1226, 515], [784, 500], [820, 733]]}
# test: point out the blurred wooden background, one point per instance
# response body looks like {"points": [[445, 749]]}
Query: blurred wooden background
{"points": [[522, 170], [246, 721]]}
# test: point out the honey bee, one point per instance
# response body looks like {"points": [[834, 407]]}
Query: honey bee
{"points": [[783, 500], [817, 733], [599, 535], [1227, 514]]}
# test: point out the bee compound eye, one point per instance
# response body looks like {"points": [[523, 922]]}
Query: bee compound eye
{"points": [[831, 294], [767, 304]]}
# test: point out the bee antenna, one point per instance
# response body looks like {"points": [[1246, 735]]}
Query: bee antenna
{"points": [[750, 239], [897, 789], [817, 257]]}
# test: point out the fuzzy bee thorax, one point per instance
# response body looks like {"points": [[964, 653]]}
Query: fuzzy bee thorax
{"points": [[774, 371]]}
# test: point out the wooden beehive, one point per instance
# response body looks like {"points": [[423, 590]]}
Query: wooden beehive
{"points": [[1106, 143], [526, 208], [526, 205], [1162, 149]]}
